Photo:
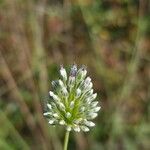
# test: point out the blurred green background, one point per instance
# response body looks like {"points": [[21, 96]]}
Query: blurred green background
{"points": [[110, 37]]}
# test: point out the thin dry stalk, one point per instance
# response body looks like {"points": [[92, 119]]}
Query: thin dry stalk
{"points": [[6, 74]]}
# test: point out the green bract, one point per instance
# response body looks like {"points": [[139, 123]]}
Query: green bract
{"points": [[72, 101]]}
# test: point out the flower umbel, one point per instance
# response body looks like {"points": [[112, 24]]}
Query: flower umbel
{"points": [[72, 101]]}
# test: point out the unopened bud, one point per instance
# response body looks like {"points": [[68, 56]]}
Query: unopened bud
{"points": [[76, 128], [68, 115], [68, 128], [71, 81], [89, 123], [51, 121], [81, 74], [62, 122], [92, 115], [78, 92], [63, 73], [84, 128]]}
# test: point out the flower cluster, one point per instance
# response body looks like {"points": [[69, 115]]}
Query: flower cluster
{"points": [[72, 101]]}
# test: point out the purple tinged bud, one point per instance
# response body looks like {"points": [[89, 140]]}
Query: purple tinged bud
{"points": [[73, 71]]}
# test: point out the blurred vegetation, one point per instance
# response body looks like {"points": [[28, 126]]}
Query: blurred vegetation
{"points": [[111, 37]]}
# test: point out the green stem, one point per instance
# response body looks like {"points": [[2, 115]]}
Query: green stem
{"points": [[66, 140]]}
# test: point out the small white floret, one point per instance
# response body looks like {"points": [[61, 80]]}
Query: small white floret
{"points": [[88, 87], [55, 97], [82, 109], [96, 109], [94, 95], [56, 115], [84, 72], [72, 104], [76, 128], [92, 115], [63, 73], [61, 83], [77, 121], [68, 115], [51, 121], [84, 128], [89, 123], [62, 122], [49, 106], [89, 93], [68, 128], [61, 106], [88, 100], [87, 80], [51, 93], [78, 92], [71, 81], [47, 113], [94, 104]]}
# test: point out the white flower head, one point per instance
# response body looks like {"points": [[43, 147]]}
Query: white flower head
{"points": [[72, 101]]}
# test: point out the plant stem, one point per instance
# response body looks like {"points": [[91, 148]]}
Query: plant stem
{"points": [[66, 140]]}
